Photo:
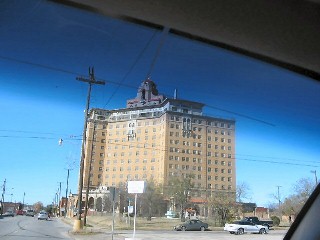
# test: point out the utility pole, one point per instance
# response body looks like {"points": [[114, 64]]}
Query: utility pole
{"points": [[24, 195], [2, 197], [66, 203], [59, 198], [89, 177], [279, 196], [90, 81], [315, 175]]}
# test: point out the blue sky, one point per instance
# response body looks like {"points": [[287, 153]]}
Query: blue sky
{"points": [[45, 46]]}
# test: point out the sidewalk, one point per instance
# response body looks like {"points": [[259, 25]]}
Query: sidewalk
{"points": [[92, 230]]}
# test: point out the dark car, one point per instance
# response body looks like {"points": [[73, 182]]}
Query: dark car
{"points": [[192, 225]]}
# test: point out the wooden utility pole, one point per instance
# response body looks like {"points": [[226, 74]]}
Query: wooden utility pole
{"points": [[2, 197], [91, 80], [89, 176]]}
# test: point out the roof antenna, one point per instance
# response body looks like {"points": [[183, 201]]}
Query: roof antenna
{"points": [[175, 95]]}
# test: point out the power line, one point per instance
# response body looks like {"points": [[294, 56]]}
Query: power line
{"points": [[234, 157], [288, 159], [121, 84], [131, 68], [58, 69], [242, 115]]}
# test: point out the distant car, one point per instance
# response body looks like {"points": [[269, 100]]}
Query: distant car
{"points": [[30, 212], [19, 212], [9, 213], [241, 227], [192, 225], [43, 215]]}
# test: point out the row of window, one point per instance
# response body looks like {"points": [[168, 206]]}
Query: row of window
{"points": [[199, 144], [140, 123], [122, 161], [199, 129], [200, 121], [129, 177], [199, 160], [198, 168], [129, 168]]}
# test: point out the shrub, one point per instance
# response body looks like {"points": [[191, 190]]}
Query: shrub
{"points": [[276, 220]]}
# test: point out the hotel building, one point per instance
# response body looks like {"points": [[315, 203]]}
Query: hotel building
{"points": [[158, 137]]}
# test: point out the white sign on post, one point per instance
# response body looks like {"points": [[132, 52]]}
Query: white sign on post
{"points": [[135, 186]]}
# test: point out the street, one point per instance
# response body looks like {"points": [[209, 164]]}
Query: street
{"points": [[208, 235], [23, 227]]}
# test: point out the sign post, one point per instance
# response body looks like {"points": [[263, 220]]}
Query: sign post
{"points": [[135, 187]]}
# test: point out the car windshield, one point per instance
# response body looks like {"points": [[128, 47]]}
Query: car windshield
{"points": [[93, 101]]}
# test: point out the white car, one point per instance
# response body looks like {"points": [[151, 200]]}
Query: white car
{"points": [[43, 215], [241, 227]]}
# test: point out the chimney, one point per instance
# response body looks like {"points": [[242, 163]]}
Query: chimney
{"points": [[175, 96]]}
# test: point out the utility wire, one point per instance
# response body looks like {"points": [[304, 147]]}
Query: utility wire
{"points": [[164, 35], [122, 84], [242, 115], [166, 150], [58, 69], [131, 68]]}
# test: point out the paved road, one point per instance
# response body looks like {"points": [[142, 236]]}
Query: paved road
{"points": [[172, 235], [23, 227]]}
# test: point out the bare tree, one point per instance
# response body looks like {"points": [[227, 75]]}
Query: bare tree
{"points": [[222, 203], [180, 189], [302, 191], [242, 191], [151, 198], [38, 206]]}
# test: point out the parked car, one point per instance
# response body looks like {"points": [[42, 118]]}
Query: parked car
{"points": [[241, 227], [256, 220], [192, 225], [19, 212], [9, 213], [30, 212], [43, 215]]}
